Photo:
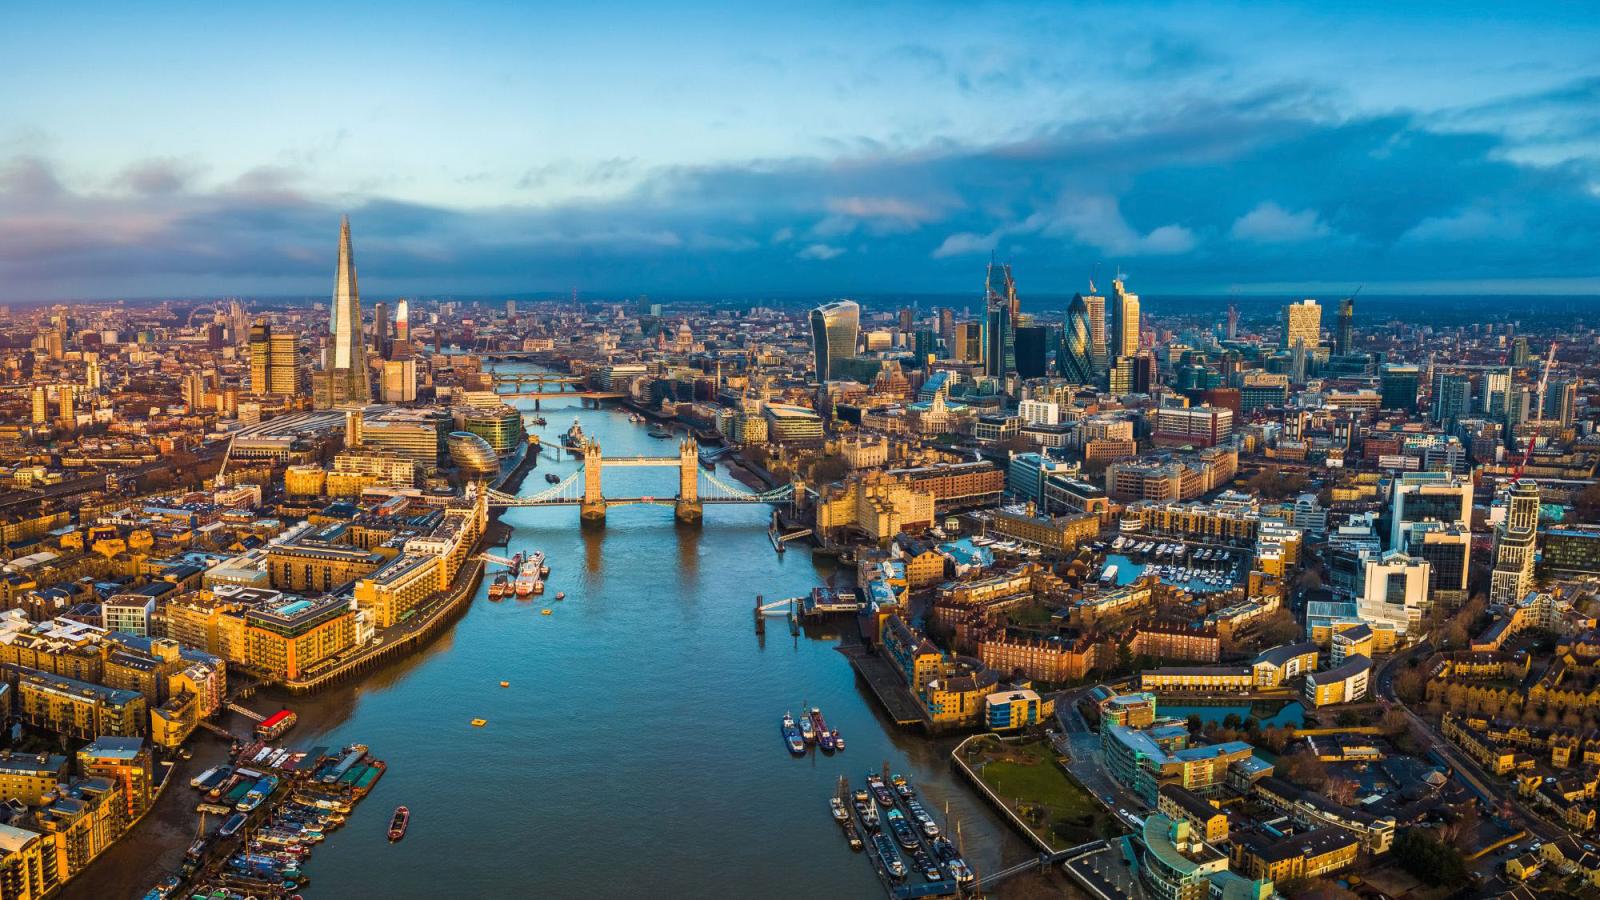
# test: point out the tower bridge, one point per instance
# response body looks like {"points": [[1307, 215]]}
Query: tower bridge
{"points": [[584, 488]]}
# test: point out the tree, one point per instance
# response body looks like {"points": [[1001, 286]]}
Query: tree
{"points": [[1340, 790], [1432, 861], [1305, 769]]}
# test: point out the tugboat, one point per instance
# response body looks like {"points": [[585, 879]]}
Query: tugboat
{"points": [[902, 786], [397, 825], [791, 736]]}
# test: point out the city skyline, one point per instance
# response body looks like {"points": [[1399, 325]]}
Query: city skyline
{"points": [[1338, 152]]}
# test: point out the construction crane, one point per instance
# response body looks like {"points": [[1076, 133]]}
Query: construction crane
{"points": [[222, 471], [1538, 419]]}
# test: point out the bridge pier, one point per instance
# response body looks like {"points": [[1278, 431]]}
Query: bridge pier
{"points": [[688, 512], [592, 512]]}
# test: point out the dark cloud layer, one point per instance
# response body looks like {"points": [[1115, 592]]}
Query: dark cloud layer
{"points": [[1267, 189]]}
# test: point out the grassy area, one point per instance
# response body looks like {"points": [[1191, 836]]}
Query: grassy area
{"points": [[1032, 614], [1028, 779]]}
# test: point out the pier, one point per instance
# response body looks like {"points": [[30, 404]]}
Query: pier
{"points": [[887, 685]]}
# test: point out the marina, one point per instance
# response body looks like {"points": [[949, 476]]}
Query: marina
{"points": [[909, 852]]}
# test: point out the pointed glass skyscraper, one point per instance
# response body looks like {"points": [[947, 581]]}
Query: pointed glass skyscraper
{"points": [[346, 380], [1076, 360]]}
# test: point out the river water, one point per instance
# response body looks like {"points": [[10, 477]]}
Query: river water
{"points": [[636, 751]]}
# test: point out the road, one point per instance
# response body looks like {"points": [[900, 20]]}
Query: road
{"points": [[1463, 765], [1086, 763]]}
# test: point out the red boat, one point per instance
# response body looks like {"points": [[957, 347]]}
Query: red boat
{"points": [[397, 825]]}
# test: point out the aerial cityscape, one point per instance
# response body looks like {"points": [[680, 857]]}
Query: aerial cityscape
{"points": [[843, 480]]}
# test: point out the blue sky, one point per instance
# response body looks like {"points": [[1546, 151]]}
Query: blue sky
{"points": [[823, 149]]}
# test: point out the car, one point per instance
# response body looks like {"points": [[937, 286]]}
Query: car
{"points": [[1512, 848], [1107, 799]]}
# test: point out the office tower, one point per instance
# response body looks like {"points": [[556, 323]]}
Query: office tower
{"points": [[402, 321], [1095, 308], [354, 424], [400, 376], [194, 391], [380, 328], [1452, 398], [283, 363], [66, 394], [1032, 351], [908, 317], [91, 372], [345, 380], [1297, 362], [1447, 549], [1119, 378], [1559, 398], [1000, 320], [925, 346], [834, 329], [1515, 541], [1233, 322], [1518, 356], [1496, 394], [1302, 324], [1124, 321], [969, 342], [41, 405], [1076, 361], [1146, 373], [1423, 497], [260, 354], [511, 309], [1343, 335], [999, 341], [1399, 383], [947, 330]]}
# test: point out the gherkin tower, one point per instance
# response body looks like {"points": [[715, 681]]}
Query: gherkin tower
{"points": [[1075, 360]]}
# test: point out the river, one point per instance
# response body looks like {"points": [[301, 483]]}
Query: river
{"points": [[636, 751]]}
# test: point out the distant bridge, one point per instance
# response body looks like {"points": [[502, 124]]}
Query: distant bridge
{"points": [[696, 487]]}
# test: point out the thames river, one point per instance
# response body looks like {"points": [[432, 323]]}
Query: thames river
{"points": [[636, 751]]}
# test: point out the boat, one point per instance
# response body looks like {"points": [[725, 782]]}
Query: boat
{"points": [[903, 832], [544, 612], [838, 740], [528, 580], [276, 724], [869, 813], [791, 736], [853, 833], [635, 418], [903, 787], [890, 856], [505, 684], [1109, 576], [479, 723], [561, 595], [807, 730], [880, 790], [500, 587], [960, 870], [552, 477], [659, 433], [398, 824], [203, 777], [836, 806], [824, 736], [574, 438], [232, 826]]}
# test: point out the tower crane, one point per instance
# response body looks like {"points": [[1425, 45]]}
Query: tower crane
{"points": [[1538, 420]]}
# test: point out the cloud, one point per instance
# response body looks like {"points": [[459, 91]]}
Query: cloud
{"points": [[1175, 199], [820, 251], [1269, 223]]}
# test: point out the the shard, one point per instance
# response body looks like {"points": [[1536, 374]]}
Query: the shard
{"points": [[346, 380]]}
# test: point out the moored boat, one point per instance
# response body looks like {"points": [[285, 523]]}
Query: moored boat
{"points": [[836, 806], [902, 786], [838, 740], [824, 736], [552, 477], [792, 736], [398, 824], [807, 730]]}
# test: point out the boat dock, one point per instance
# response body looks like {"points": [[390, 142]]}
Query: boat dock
{"points": [[914, 883]]}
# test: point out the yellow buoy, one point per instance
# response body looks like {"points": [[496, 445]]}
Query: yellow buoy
{"points": [[505, 684], [544, 612], [479, 723]]}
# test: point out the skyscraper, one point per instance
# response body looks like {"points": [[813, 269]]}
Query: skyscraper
{"points": [[1099, 356], [1512, 577], [834, 329], [1398, 382], [402, 321], [283, 363], [1125, 321], [346, 380], [1001, 307], [380, 328], [1032, 350], [1302, 323], [1233, 322], [947, 329], [1343, 335], [260, 356], [1076, 362]]}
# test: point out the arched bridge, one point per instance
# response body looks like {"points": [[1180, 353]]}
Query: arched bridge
{"points": [[696, 487]]}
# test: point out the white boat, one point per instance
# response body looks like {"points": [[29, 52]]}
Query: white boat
{"points": [[1109, 576]]}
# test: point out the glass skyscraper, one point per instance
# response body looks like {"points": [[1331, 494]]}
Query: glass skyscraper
{"points": [[1076, 360], [834, 327]]}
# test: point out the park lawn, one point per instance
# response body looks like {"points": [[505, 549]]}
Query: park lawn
{"points": [[1027, 775]]}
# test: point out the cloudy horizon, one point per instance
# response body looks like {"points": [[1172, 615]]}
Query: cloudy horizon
{"points": [[882, 149]]}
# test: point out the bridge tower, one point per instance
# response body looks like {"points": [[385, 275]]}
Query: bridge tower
{"points": [[593, 507], [689, 507]]}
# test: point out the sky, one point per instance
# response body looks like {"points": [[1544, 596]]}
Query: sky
{"points": [[819, 149]]}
